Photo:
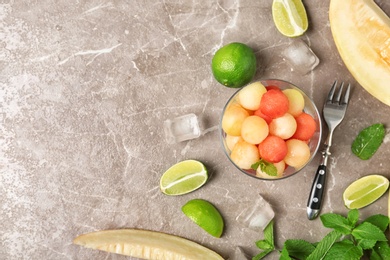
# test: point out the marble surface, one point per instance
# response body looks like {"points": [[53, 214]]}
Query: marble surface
{"points": [[85, 88]]}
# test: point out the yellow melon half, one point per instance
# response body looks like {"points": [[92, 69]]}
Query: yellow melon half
{"points": [[145, 244], [361, 31]]}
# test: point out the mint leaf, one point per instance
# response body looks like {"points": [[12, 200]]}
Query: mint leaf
{"points": [[264, 245], [375, 256], [337, 222], [381, 221], [366, 243], [368, 141], [256, 165], [324, 245], [344, 249], [353, 217], [269, 233], [299, 249], [261, 255], [266, 167], [381, 250], [284, 254], [369, 231]]}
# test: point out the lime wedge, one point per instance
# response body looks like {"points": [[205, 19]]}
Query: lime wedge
{"points": [[365, 191], [290, 17], [205, 215], [183, 177]]}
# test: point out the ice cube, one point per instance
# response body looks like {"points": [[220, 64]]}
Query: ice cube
{"points": [[256, 214], [181, 128], [299, 55]]}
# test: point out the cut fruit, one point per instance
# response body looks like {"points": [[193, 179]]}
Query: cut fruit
{"points": [[254, 129], [290, 17], [232, 119], [205, 215], [361, 32], [250, 95], [244, 155], [183, 177], [365, 191], [145, 244], [298, 153], [295, 100]]}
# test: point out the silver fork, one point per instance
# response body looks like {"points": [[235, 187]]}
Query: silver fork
{"points": [[334, 112]]}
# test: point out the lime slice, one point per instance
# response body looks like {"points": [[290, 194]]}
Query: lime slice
{"points": [[290, 17], [365, 191], [205, 215], [183, 177]]}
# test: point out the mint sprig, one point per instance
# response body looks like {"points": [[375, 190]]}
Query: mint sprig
{"points": [[349, 239], [266, 244], [266, 167]]}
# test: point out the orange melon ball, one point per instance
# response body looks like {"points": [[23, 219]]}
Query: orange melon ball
{"points": [[298, 153], [284, 126], [244, 155], [233, 118], [254, 129], [250, 96], [296, 101], [231, 141]]}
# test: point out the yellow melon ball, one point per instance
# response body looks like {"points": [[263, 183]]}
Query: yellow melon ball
{"points": [[250, 96], [296, 101], [231, 141], [232, 119], [298, 153], [254, 129], [244, 155], [284, 126]]}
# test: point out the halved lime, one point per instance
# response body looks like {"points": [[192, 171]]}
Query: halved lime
{"points": [[205, 215], [290, 17], [183, 177], [365, 191]]}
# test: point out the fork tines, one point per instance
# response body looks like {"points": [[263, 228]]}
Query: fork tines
{"points": [[344, 100]]}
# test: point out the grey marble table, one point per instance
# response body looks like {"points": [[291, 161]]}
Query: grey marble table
{"points": [[85, 88]]}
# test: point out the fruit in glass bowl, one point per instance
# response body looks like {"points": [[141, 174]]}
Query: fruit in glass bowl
{"points": [[270, 129]]}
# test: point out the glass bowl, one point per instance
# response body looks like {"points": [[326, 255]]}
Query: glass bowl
{"points": [[313, 143]]}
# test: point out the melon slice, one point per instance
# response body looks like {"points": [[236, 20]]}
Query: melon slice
{"points": [[361, 31], [145, 244]]}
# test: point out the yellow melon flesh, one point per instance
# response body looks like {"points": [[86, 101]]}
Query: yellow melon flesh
{"points": [[361, 31], [145, 244]]}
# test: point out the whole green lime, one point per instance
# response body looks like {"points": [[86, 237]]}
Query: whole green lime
{"points": [[234, 65]]}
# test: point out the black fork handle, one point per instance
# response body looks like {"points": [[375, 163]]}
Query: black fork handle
{"points": [[317, 192]]}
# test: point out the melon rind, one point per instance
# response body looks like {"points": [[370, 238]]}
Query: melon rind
{"points": [[361, 32]]}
